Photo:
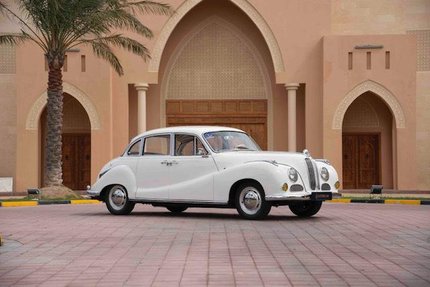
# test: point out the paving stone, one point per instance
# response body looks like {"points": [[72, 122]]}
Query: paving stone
{"points": [[344, 245]]}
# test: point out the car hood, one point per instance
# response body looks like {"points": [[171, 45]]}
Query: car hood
{"points": [[229, 159]]}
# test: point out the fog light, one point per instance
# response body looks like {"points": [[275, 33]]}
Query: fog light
{"points": [[284, 187], [337, 185]]}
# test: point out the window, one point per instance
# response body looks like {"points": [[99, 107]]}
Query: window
{"points": [[230, 141], [65, 64], [157, 145], [350, 59], [134, 150], [188, 145], [387, 60], [83, 64], [369, 60]]}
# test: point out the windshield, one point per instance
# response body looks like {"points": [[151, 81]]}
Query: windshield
{"points": [[230, 141]]}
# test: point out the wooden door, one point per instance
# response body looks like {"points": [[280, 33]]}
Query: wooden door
{"points": [[76, 161], [247, 115], [360, 160]]}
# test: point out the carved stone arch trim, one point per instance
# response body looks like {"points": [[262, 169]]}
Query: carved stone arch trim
{"points": [[377, 89], [244, 5], [33, 116]]}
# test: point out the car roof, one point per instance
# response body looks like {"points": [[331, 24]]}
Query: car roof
{"points": [[199, 130]]}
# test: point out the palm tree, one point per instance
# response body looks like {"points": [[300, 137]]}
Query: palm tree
{"points": [[59, 25]]}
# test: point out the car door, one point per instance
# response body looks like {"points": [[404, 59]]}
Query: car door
{"points": [[153, 171], [192, 170]]}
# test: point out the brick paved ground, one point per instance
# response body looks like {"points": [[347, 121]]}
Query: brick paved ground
{"points": [[345, 245]]}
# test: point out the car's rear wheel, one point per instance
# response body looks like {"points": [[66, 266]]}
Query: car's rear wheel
{"points": [[176, 208], [306, 209], [117, 201], [250, 201]]}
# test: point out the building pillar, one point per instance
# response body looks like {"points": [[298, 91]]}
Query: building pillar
{"points": [[292, 110], [141, 106]]}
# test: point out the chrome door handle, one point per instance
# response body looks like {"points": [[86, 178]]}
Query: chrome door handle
{"points": [[173, 162], [165, 162]]}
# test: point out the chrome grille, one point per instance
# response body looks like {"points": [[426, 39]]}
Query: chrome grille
{"points": [[311, 172]]}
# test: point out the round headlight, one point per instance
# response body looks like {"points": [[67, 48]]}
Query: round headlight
{"points": [[292, 174], [325, 174]]}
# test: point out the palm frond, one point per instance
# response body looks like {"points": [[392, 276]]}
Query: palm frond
{"points": [[120, 41], [150, 7], [13, 39], [58, 25], [31, 34], [124, 20], [103, 51]]}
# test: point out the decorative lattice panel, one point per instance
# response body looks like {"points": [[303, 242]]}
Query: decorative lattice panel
{"points": [[216, 64], [7, 59], [360, 114], [423, 49], [75, 117]]}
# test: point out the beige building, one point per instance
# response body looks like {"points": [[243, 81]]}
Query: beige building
{"points": [[347, 79]]}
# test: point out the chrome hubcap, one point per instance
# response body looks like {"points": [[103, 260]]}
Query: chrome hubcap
{"points": [[250, 200], [118, 198]]}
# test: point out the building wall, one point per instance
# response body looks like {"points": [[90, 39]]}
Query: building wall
{"points": [[399, 81], [365, 17], [32, 78], [359, 17], [314, 38], [7, 125], [7, 104]]}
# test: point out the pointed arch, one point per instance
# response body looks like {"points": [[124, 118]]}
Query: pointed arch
{"points": [[377, 89], [37, 108], [244, 5]]}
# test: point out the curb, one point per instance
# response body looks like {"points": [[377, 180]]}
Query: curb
{"points": [[381, 201], [94, 201], [46, 202]]}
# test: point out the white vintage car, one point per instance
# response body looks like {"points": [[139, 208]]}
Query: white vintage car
{"points": [[182, 167]]}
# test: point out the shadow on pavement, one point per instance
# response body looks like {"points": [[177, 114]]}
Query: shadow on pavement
{"points": [[206, 215]]}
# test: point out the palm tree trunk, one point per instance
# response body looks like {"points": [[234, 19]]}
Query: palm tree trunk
{"points": [[54, 112]]}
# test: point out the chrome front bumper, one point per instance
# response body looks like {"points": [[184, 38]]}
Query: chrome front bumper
{"points": [[92, 193], [309, 196]]}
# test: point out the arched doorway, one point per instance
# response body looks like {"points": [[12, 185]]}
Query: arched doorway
{"points": [[216, 69], [76, 144], [367, 143]]}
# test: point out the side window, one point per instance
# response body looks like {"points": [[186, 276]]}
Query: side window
{"points": [[157, 145], [184, 145], [188, 145], [200, 148], [134, 150]]}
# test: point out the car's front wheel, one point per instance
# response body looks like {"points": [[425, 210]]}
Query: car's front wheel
{"points": [[306, 209], [117, 201], [250, 202]]}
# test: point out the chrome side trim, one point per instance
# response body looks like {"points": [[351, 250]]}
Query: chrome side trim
{"points": [[167, 201]]}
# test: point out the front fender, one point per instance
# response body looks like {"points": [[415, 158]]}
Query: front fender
{"points": [[270, 175], [333, 178], [121, 174]]}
